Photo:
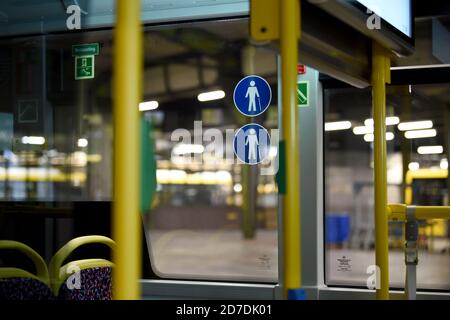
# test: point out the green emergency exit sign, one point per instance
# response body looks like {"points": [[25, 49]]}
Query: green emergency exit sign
{"points": [[303, 93], [85, 60], [90, 49], [84, 67]]}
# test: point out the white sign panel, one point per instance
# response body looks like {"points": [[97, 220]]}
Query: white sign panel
{"points": [[395, 12]]}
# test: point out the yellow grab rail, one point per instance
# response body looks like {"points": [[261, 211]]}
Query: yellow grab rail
{"points": [[397, 212], [412, 175], [289, 34], [128, 65], [410, 215], [380, 76]]}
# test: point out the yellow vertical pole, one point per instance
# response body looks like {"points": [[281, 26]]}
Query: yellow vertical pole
{"points": [[289, 36], [127, 91], [380, 76]]}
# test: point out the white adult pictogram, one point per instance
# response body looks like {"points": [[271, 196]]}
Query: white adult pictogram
{"points": [[253, 145], [252, 94]]}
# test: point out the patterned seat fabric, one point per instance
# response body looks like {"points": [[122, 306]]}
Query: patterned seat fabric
{"points": [[95, 284], [24, 289]]}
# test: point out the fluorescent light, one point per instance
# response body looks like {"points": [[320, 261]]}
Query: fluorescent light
{"points": [[422, 66], [83, 143], [33, 140], [390, 136], [416, 125], [390, 121], [430, 150], [164, 176], [416, 134], [413, 166], [181, 149], [212, 95], [370, 137], [148, 105], [368, 125], [444, 164], [362, 130], [223, 176], [339, 125]]}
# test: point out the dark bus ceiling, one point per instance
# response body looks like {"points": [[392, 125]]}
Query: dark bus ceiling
{"points": [[328, 44]]}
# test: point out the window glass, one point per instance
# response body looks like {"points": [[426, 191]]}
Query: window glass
{"points": [[211, 215], [349, 190], [55, 143]]}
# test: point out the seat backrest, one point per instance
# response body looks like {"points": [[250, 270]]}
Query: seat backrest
{"points": [[19, 284], [87, 279]]}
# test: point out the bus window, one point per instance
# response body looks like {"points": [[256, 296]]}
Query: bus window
{"points": [[349, 191], [417, 144], [211, 217]]}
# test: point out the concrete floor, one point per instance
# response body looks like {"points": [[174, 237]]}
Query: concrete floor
{"points": [[225, 255], [216, 255]]}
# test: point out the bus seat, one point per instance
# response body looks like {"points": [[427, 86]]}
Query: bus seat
{"points": [[19, 284], [87, 279]]}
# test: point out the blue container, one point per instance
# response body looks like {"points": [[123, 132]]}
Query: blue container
{"points": [[337, 228]]}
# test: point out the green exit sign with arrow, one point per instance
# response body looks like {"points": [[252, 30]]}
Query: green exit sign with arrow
{"points": [[303, 93], [85, 60]]}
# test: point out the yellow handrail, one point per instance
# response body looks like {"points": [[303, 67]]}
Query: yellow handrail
{"points": [[128, 65], [289, 34], [380, 76], [411, 175], [397, 212], [410, 214]]}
